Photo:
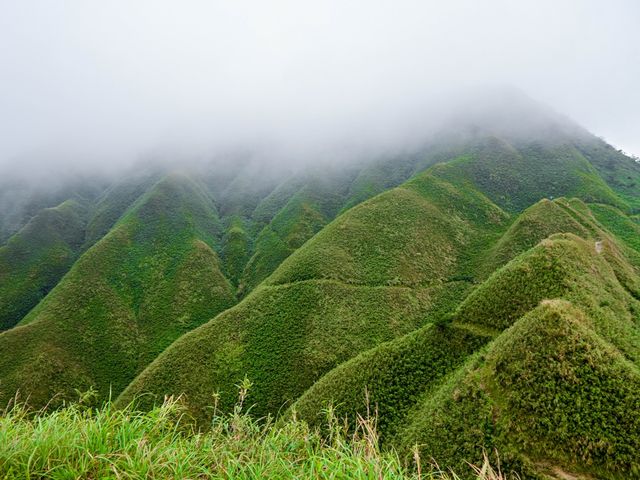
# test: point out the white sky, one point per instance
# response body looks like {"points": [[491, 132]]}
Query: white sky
{"points": [[108, 79]]}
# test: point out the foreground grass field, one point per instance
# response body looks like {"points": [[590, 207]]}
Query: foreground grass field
{"points": [[108, 443]]}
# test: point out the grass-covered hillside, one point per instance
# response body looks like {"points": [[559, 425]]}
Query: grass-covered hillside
{"points": [[380, 270], [296, 211], [540, 362], [34, 259], [401, 260], [154, 277], [479, 292]]}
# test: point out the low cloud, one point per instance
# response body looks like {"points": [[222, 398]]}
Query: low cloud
{"points": [[91, 84]]}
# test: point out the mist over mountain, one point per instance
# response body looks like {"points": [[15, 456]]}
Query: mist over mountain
{"points": [[103, 84], [318, 239]]}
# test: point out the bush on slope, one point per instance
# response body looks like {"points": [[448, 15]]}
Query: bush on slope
{"points": [[35, 258], [354, 285], [152, 278]]}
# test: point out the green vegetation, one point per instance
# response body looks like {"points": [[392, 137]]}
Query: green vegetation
{"points": [[35, 258], [313, 200], [110, 443], [620, 172], [236, 247], [412, 236], [284, 338], [114, 203], [481, 294], [550, 394], [572, 379], [351, 287], [154, 277], [624, 228], [537, 223], [21, 199], [298, 221], [516, 176], [390, 378]]}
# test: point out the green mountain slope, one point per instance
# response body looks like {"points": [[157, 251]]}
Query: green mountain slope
{"points": [[550, 394], [439, 229], [114, 202], [304, 203], [620, 172], [428, 389], [624, 227], [35, 258], [23, 197], [306, 211], [485, 302], [352, 286], [516, 175], [149, 280]]}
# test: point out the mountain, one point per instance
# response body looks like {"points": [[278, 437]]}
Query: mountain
{"points": [[154, 276], [35, 258], [551, 384], [479, 292], [434, 237], [309, 315]]}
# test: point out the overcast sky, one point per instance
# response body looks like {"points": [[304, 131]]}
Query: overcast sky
{"points": [[109, 79]]}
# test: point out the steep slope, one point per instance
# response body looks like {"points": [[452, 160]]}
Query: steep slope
{"points": [[316, 201], [536, 223], [23, 196], [388, 380], [549, 394], [352, 286], [516, 175], [236, 247], [621, 172], [153, 277], [115, 201], [624, 227], [439, 227], [426, 396], [35, 258]]}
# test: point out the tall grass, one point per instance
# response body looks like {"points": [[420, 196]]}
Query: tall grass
{"points": [[79, 442]]}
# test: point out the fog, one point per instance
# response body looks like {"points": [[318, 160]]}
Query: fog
{"points": [[100, 84]]}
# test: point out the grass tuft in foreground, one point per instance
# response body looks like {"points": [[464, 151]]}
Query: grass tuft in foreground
{"points": [[109, 443]]}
